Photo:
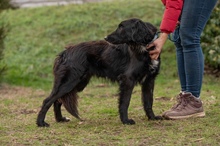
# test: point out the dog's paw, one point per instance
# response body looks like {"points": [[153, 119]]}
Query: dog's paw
{"points": [[42, 124], [156, 118], [129, 122], [63, 119]]}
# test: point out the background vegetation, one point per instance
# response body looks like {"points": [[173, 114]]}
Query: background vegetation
{"points": [[37, 35], [4, 4], [211, 39]]}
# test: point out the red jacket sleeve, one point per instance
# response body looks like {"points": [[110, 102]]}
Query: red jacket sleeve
{"points": [[171, 15]]}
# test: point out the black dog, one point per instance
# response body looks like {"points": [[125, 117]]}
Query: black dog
{"points": [[122, 57]]}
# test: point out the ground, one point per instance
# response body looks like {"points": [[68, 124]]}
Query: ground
{"points": [[211, 71], [11, 91]]}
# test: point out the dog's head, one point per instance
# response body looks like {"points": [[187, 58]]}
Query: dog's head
{"points": [[132, 32]]}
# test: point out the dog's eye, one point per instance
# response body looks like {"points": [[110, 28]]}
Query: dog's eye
{"points": [[120, 27]]}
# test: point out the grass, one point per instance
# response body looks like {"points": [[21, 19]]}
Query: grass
{"points": [[38, 34], [43, 32], [98, 107]]}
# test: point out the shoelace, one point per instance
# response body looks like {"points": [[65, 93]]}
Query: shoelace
{"points": [[178, 99], [183, 103]]}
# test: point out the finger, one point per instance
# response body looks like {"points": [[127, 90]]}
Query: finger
{"points": [[150, 45], [154, 57], [153, 52]]}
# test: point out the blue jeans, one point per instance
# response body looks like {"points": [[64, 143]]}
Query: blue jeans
{"points": [[190, 60]]}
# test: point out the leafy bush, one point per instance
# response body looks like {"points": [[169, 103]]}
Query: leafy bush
{"points": [[4, 4], [211, 39], [2, 36]]}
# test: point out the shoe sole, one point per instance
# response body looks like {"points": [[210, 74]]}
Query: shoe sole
{"points": [[196, 115]]}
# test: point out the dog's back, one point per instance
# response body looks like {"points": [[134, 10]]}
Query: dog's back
{"points": [[103, 60]]}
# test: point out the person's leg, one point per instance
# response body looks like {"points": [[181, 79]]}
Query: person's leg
{"points": [[180, 66], [190, 59], [180, 60], [194, 16]]}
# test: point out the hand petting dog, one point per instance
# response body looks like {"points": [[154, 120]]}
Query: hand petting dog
{"points": [[158, 43]]}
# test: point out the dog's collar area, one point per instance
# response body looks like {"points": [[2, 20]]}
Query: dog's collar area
{"points": [[155, 37]]}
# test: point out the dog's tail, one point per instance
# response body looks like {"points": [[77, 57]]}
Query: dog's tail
{"points": [[70, 102]]}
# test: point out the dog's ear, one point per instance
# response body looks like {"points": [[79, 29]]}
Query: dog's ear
{"points": [[141, 33]]}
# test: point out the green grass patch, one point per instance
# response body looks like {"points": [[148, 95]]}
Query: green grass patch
{"points": [[101, 126], [37, 35]]}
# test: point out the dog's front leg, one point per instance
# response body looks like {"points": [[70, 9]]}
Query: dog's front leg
{"points": [[147, 98], [126, 87]]}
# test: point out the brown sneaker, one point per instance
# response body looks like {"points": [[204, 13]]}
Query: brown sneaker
{"points": [[178, 99], [189, 106]]}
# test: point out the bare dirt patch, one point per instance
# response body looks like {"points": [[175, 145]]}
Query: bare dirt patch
{"points": [[9, 92], [20, 100]]}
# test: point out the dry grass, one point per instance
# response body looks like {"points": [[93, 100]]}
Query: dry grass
{"points": [[98, 107]]}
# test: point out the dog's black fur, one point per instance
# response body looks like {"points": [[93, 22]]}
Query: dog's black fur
{"points": [[122, 57]]}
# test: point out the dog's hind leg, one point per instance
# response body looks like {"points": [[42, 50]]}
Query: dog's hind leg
{"points": [[45, 107], [147, 98], [58, 92], [126, 88], [57, 112], [83, 83], [70, 100]]}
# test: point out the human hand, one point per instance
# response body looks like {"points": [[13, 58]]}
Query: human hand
{"points": [[158, 43]]}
